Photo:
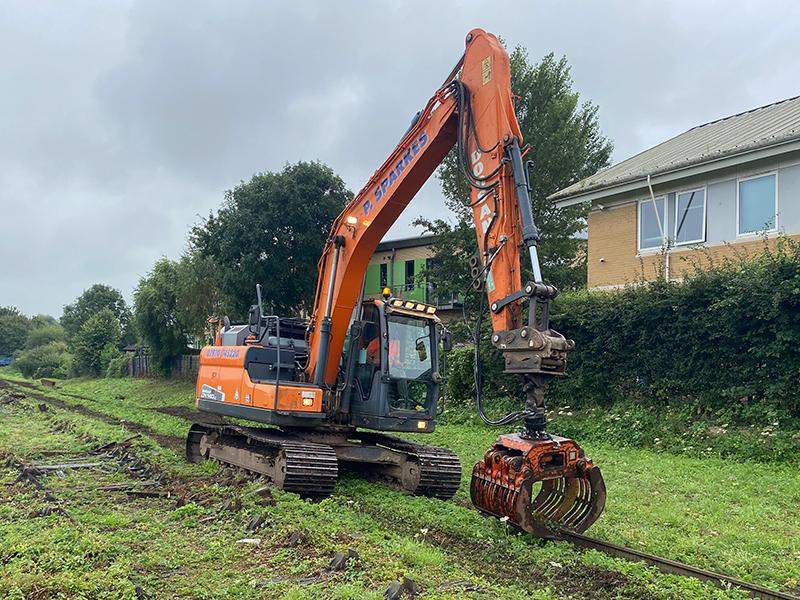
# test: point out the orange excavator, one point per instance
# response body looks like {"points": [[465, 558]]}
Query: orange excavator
{"points": [[331, 387]]}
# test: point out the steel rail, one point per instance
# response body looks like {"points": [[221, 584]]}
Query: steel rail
{"points": [[672, 567]]}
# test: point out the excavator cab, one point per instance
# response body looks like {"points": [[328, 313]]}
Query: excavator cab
{"points": [[392, 366]]}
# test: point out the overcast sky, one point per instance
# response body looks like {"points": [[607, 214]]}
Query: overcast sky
{"points": [[122, 123]]}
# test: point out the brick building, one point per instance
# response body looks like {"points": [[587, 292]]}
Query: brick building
{"points": [[719, 187]]}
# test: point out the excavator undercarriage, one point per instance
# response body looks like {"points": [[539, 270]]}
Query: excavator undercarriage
{"points": [[307, 462]]}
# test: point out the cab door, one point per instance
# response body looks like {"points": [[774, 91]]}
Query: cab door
{"points": [[367, 353]]}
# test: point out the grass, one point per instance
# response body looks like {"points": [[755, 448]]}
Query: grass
{"points": [[740, 518]]}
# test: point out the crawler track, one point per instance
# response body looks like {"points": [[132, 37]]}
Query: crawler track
{"points": [[440, 468], [306, 468], [307, 463], [672, 567]]}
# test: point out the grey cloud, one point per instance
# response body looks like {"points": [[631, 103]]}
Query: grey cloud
{"points": [[120, 123]]}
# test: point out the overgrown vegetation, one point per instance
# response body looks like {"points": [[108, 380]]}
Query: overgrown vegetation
{"points": [[737, 519], [46, 360], [726, 338]]}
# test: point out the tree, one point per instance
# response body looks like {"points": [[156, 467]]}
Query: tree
{"points": [[566, 145], [39, 321], [89, 303], [199, 293], [271, 230], [156, 313], [41, 336], [14, 327], [94, 342]]}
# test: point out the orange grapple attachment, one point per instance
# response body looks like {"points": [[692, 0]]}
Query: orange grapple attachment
{"points": [[570, 491]]}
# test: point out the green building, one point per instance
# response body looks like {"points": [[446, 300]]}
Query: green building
{"points": [[400, 266]]}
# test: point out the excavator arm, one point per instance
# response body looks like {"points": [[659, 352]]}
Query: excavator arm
{"points": [[473, 111]]}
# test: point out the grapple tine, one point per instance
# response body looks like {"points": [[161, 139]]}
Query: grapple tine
{"points": [[572, 492]]}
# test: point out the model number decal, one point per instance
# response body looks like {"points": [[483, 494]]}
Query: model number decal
{"points": [[209, 393], [223, 352]]}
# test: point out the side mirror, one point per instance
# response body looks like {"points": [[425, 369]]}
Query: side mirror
{"points": [[422, 352], [447, 341], [254, 316]]}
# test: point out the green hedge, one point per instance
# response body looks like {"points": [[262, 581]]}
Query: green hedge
{"points": [[726, 334], [726, 337]]}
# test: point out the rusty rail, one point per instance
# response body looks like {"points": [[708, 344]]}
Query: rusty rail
{"points": [[672, 567]]}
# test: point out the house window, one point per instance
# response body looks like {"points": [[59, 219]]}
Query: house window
{"points": [[384, 276], [652, 223], [758, 204], [409, 275], [690, 217]]}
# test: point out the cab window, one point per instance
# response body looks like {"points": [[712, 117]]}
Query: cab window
{"points": [[368, 349]]}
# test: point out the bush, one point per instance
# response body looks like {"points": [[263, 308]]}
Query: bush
{"points": [[118, 365], [726, 338], [14, 328], [44, 335], [48, 360]]}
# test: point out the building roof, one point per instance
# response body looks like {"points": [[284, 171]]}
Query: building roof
{"points": [[409, 242], [768, 127]]}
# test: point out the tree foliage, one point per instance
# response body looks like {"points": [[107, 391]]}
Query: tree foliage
{"points": [[156, 313], [566, 145], [92, 301], [95, 342], [14, 327], [45, 334], [45, 360], [271, 230], [199, 293]]}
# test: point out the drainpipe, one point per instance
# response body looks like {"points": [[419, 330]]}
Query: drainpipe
{"points": [[660, 227], [391, 271]]}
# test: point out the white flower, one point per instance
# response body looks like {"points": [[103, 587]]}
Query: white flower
{"points": [[504, 519]]}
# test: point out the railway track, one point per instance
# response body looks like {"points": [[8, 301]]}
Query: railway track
{"points": [[672, 567]]}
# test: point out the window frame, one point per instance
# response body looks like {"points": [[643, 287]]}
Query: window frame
{"points": [[410, 286], [704, 189], [383, 275], [751, 234], [665, 198]]}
